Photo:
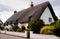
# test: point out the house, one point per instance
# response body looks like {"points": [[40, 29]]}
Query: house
{"points": [[42, 11]]}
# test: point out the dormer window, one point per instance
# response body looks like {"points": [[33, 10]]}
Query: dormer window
{"points": [[50, 19]]}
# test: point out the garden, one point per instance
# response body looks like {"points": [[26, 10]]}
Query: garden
{"points": [[37, 27]]}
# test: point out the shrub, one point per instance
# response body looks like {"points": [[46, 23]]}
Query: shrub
{"points": [[57, 24], [35, 26], [57, 32], [7, 29], [47, 30], [31, 24], [23, 28], [11, 29], [19, 30], [57, 28], [15, 27], [2, 27]]}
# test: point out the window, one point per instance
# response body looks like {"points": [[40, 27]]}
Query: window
{"points": [[50, 19]]}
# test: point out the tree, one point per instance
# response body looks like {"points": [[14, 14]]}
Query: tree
{"points": [[35, 26], [56, 24], [53, 23], [57, 28]]}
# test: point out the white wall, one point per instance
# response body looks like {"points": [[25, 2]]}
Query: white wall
{"points": [[45, 16], [32, 35], [21, 34], [24, 24], [19, 24]]}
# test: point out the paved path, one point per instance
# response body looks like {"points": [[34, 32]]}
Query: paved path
{"points": [[3, 36]]}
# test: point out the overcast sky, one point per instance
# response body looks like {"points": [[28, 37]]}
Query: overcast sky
{"points": [[8, 6]]}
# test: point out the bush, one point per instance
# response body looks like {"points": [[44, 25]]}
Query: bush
{"points": [[57, 28], [31, 24], [57, 24], [7, 29], [23, 28], [47, 30], [2, 27], [11, 29], [15, 27], [57, 32], [19, 30], [35, 26]]}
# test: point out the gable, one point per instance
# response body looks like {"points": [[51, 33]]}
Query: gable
{"points": [[46, 15]]}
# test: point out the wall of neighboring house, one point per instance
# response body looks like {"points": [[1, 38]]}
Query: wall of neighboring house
{"points": [[47, 17]]}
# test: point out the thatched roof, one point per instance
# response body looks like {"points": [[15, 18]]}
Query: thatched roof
{"points": [[33, 13]]}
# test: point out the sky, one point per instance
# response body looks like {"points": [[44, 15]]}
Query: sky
{"points": [[7, 7]]}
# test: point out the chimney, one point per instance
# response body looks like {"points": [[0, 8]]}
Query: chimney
{"points": [[32, 5], [15, 11]]}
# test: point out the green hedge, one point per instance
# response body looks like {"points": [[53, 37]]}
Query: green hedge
{"points": [[35, 26], [19, 30]]}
